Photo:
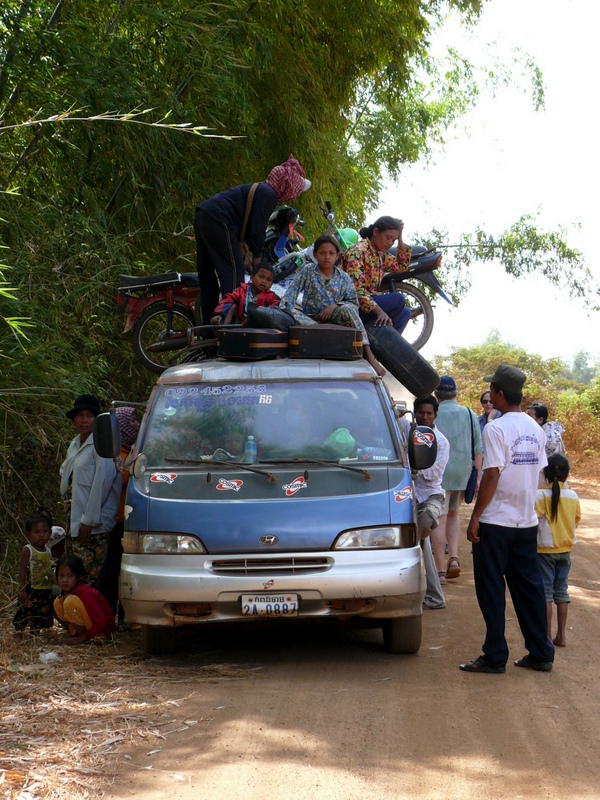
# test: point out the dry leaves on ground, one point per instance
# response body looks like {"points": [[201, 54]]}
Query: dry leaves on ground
{"points": [[66, 725]]}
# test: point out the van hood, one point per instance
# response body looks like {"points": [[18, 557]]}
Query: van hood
{"points": [[306, 508]]}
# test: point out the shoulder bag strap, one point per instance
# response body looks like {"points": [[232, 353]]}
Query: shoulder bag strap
{"points": [[248, 207], [471, 429]]}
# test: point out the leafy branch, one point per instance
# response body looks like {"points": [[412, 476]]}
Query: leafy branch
{"points": [[522, 249], [116, 116]]}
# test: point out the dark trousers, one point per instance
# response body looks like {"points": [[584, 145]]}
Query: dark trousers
{"points": [[218, 260], [111, 569], [510, 553], [394, 306]]}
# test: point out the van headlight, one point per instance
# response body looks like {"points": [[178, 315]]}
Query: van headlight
{"points": [[156, 543], [386, 538]]}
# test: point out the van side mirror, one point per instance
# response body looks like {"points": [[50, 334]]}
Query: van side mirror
{"points": [[107, 435], [422, 447]]}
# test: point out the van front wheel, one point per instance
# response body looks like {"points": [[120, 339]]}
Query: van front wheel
{"points": [[158, 639], [403, 635]]}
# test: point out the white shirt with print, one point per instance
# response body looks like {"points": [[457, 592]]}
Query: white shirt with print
{"points": [[515, 444]]}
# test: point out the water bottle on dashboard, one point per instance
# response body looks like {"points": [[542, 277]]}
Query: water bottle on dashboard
{"points": [[250, 451]]}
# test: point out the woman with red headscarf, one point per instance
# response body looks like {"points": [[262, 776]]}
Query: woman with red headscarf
{"points": [[218, 227]]}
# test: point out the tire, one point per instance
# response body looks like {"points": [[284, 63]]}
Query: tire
{"points": [[158, 639], [402, 360], [403, 635], [151, 327], [198, 309], [420, 325]]}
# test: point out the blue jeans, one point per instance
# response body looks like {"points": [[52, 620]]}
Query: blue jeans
{"points": [[555, 576], [394, 306]]}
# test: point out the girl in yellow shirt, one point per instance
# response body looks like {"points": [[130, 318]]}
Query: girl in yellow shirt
{"points": [[559, 513]]}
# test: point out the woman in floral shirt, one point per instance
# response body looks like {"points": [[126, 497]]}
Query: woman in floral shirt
{"points": [[328, 295], [368, 261]]}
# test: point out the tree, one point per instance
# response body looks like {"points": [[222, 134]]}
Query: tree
{"points": [[582, 370], [349, 88], [469, 365]]}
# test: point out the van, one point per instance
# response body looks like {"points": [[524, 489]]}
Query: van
{"points": [[271, 490]]}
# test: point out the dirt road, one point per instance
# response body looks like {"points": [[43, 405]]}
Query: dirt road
{"points": [[326, 713]]}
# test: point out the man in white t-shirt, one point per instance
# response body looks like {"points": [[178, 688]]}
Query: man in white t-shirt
{"points": [[503, 530]]}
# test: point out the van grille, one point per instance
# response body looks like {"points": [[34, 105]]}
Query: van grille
{"points": [[270, 566]]}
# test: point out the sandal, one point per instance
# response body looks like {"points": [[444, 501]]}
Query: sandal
{"points": [[442, 577], [453, 567]]}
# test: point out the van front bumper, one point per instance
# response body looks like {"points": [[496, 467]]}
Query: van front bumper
{"points": [[180, 590]]}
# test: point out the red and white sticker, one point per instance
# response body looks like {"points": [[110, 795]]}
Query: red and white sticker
{"points": [[224, 485], [294, 486], [403, 494], [421, 437], [163, 477]]}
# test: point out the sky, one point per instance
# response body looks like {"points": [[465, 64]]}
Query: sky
{"points": [[504, 160]]}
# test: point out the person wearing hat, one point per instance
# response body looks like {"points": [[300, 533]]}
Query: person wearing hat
{"points": [[503, 530], [95, 489], [218, 230], [460, 426]]}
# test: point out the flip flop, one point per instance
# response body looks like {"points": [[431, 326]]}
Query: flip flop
{"points": [[453, 567]]}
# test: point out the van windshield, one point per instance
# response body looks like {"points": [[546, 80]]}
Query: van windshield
{"points": [[288, 420]]}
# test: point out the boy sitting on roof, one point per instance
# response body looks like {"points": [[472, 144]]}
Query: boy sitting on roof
{"points": [[234, 306]]}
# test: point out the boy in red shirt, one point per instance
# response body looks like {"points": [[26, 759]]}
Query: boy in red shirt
{"points": [[234, 306]]}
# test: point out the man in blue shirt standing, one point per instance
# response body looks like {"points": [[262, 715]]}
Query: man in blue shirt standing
{"points": [[460, 426]]}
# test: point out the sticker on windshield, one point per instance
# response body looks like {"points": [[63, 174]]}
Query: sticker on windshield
{"points": [[202, 404], [403, 494], [163, 477], [423, 437], [195, 391], [224, 485], [294, 486]]}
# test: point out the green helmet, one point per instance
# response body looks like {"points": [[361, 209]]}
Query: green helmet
{"points": [[348, 237]]}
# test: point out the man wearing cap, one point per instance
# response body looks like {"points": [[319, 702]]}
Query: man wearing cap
{"points": [[221, 223], [95, 489], [460, 426], [503, 530]]}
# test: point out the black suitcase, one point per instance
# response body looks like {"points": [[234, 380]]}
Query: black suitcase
{"points": [[325, 341], [251, 344]]}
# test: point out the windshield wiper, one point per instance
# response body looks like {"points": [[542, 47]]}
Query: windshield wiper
{"points": [[239, 464], [328, 462]]}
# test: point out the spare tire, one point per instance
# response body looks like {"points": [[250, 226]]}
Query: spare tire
{"points": [[401, 359]]}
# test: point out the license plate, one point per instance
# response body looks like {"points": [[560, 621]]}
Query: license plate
{"points": [[270, 605]]}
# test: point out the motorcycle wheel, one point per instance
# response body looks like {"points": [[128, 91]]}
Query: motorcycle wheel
{"points": [[155, 324], [420, 324]]}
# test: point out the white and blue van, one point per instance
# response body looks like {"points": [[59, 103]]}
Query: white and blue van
{"points": [[272, 489]]}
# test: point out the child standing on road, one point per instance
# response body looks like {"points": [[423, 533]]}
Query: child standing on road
{"points": [[36, 575], [82, 608], [234, 306], [559, 513]]}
